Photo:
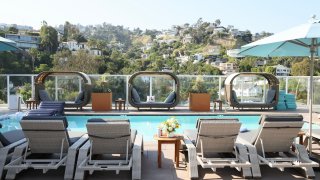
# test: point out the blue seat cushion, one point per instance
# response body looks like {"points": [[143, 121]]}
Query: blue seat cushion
{"points": [[171, 97], [80, 98], [10, 137], [270, 95], [44, 96], [135, 95]]}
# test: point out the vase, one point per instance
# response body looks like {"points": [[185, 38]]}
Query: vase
{"points": [[170, 134]]}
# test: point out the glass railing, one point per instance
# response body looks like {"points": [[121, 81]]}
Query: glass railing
{"points": [[68, 87]]}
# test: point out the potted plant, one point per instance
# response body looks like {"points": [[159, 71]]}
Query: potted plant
{"points": [[199, 98], [168, 127], [101, 96]]}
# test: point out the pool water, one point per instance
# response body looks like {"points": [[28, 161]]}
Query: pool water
{"points": [[146, 125]]}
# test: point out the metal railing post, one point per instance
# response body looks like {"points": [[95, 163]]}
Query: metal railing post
{"points": [[220, 81], [8, 89], [32, 87], [127, 89], [56, 87], [287, 82]]}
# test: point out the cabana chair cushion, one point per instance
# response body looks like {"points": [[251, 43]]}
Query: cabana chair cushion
{"points": [[275, 136], [80, 98], [42, 112], [135, 96], [270, 95], [47, 136], [44, 96], [213, 137], [171, 97], [234, 96]]}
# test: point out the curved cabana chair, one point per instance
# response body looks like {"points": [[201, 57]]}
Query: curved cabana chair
{"points": [[83, 97], [134, 98], [271, 96]]}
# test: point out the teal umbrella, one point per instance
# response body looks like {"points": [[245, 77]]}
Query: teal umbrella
{"points": [[8, 45], [300, 41]]}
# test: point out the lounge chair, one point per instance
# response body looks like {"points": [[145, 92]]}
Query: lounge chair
{"points": [[8, 141], [213, 137], [48, 108], [271, 144], [49, 145], [107, 138]]}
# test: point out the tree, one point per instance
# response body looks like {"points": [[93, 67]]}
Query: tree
{"points": [[13, 30], [34, 55], [270, 69], [301, 68], [49, 38]]}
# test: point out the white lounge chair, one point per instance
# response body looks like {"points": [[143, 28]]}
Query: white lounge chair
{"points": [[49, 145], [271, 144], [213, 137], [112, 147], [8, 141]]}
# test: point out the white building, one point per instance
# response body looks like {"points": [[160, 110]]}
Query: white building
{"points": [[227, 68], [187, 39], [75, 46], [183, 59], [282, 70]]}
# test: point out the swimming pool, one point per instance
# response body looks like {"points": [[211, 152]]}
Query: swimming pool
{"points": [[145, 124]]}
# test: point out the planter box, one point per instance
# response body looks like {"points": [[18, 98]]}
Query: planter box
{"points": [[101, 101], [199, 102]]}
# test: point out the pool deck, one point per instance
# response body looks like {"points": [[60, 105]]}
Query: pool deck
{"points": [[168, 170]]}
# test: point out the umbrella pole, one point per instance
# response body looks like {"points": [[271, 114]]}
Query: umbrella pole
{"points": [[312, 52]]}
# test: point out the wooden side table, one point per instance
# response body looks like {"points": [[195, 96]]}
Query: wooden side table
{"points": [[32, 103], [120, 104], [219, 102], [168, 140]]}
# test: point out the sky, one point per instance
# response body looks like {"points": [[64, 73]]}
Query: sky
{"points": [[254, 15]]}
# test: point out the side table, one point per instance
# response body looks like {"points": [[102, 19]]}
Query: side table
{"points": [[168, 140], [120, 104], [32, 103], [219, 102]]}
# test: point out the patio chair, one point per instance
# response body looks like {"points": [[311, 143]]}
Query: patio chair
{"points": [[8, 141], [111, 146], [213, 138], [48, 108], [49, 145], [271, 144]]}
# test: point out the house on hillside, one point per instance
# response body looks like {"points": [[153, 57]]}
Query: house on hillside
{"points": [[146, 47], [75, 46], [24, 41], [260, 62], [282, 70], [187, 39], [182, 59], [226, 68], [234, 53]]}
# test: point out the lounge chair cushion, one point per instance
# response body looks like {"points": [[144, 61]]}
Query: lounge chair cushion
{"points": [[249, 136], [270, 95], [287, 117], [58, 105], [171, 97], [10, 137], [44, 96], [80, 98], [192, 135], [63, 118], [135, 96], [42, 112]]}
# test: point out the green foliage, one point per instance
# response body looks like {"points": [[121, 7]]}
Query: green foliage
{"points": [[301, 68], [25, 91], [49, 38], [271, 70], [198, 86], [101, 85], [13, 30]]}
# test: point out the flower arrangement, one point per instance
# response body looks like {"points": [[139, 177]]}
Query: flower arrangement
{"points": [[170, 125]]}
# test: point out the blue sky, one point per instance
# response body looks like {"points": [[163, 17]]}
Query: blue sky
{"points": [[254, 15]]}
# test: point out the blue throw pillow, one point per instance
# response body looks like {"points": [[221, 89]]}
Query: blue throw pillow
{"points": [[171, 97], [44, 96], [135, 95], [243, 129], [79, 98]]}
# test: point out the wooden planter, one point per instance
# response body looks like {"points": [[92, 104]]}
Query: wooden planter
{"points": [[199, 102], [101, 101]]}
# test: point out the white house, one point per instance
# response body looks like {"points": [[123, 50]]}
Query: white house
{"points": [[234, 53], [187, 39], [24, 41], [183, 59], [75, 46], [282, 70], [227, 68]]}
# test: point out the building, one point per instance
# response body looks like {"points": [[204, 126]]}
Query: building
{"points": [[24, 41], [75, 46], [282, 70], [227, 68], [187, 39]]}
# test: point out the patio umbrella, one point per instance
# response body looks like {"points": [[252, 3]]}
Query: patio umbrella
{"points": [[303, 40], [8, 45]]}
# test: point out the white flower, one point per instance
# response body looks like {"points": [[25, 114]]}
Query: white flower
{"points": [[170, 129]]}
